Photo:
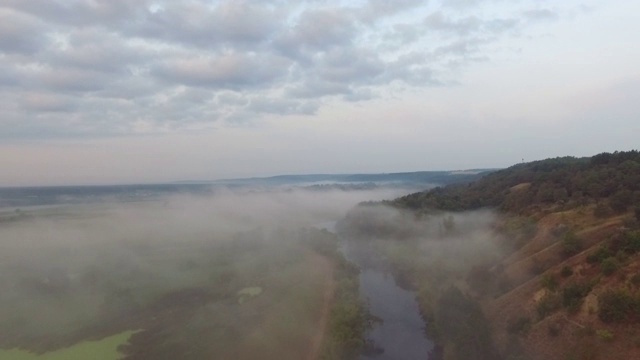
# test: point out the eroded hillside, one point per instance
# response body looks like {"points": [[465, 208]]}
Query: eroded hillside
{"points": [[563, 278]]}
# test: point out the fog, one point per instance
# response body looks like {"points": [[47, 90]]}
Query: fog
{"points": [[60, 265], [176, 218], [449, 241], [95, 266]]}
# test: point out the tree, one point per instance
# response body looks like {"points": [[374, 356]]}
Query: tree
{"points": [[621, 200], [571, 244], [449, 224]]}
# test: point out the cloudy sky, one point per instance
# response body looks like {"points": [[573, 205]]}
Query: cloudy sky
{"points": [[120, 91]]}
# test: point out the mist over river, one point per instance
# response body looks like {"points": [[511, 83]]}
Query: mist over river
{"points": [[400, 332], [92, 262]]}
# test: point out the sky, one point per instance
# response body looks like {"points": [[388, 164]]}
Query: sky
{"points": [[121, 91]]}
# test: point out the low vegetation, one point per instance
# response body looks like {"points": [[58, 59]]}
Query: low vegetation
{"points": [[574, 293], [349, 318], [104, 349], [619, 305]]}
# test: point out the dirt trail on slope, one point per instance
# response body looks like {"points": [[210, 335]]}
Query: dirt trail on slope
{"points": [[326, 267]]}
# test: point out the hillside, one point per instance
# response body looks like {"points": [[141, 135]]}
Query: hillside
{"points": [[564, 279], [610, 179]]}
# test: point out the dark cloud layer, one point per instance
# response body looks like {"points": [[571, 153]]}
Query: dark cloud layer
{"points": [[99, 67]]}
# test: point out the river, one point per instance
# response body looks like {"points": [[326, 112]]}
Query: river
{"points": [[401, 333]]}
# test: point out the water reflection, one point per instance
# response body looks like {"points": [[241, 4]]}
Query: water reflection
{"points": [[400, 335]]}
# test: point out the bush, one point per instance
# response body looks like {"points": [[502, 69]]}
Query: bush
{"points": [[349, 319], [573, 294], [632, 241], [609, 266], [599, 255], [571, 244], [566, 271], [547, 305], [549, 282], [605, 334], [621, 257], [617, 305]]}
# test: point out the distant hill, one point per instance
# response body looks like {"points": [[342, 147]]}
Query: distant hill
{"points": [[15, 197], [411, 178]]}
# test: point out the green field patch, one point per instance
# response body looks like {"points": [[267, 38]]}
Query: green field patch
{"points": [[248, 293], [105, 349]]}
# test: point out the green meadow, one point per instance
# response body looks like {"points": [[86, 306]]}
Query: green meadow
{"points": [[105, 349]]}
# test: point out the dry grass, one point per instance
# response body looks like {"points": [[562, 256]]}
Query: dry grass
{"points": [[563, 335]]}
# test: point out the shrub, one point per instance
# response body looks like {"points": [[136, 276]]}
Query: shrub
{"points": [[609, 266], [566, 271], [573, 294], [622, 257], [597, 256], [617, 305], [547, 305], [605, 334], [549, 282], [632, 239], [571, 244]]}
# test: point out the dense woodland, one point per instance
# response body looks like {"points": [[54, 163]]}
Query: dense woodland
{"points": [[610, 179]]}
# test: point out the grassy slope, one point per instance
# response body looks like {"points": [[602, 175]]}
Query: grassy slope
{"points": [[105, 349], [565, 332]]}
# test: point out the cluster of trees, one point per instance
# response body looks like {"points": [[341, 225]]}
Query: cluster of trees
{"points": [[460, 321], [618, 305], [611, 178]]}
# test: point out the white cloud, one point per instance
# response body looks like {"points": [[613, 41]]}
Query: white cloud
{"points": [[299, 56], [394, 80]]}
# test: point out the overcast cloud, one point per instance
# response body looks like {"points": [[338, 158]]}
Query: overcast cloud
{"points": [[68, 58], [89, 70]]}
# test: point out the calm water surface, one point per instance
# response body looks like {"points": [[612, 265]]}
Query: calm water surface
{"points": [[401, 334]]}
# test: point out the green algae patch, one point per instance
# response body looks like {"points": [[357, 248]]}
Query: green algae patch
{"points": [[105, 349], [248, 293]]}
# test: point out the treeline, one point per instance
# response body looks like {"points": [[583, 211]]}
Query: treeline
{"points": [[610, 179], [349, 319]]}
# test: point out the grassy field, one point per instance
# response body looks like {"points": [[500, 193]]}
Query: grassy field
{"points": [[250, 294], [105, 349]]}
